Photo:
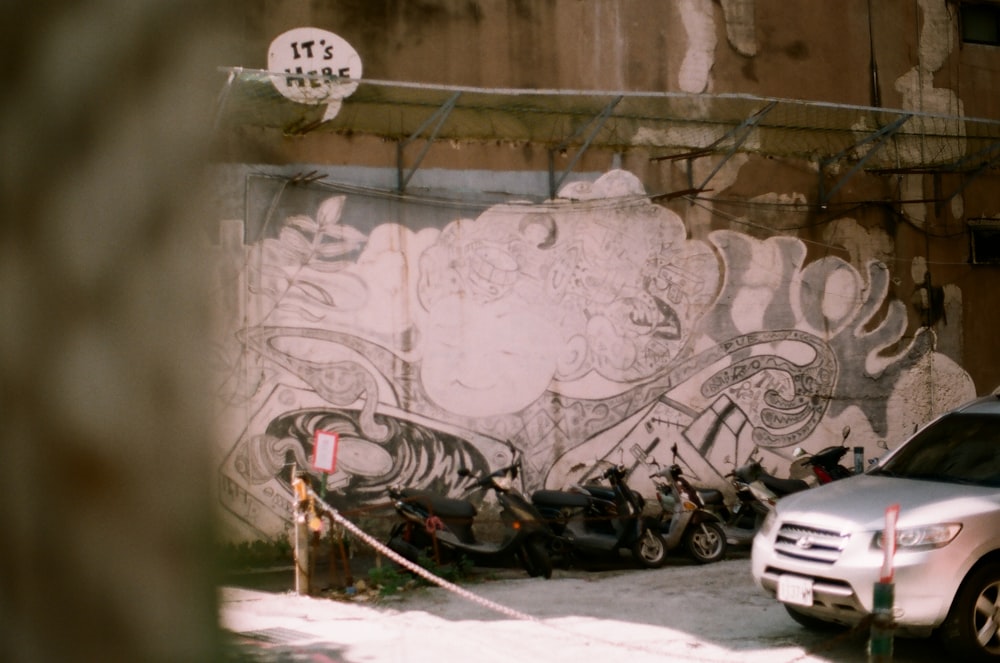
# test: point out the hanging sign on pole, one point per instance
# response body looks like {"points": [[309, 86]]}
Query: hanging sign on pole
{"points": [[324, 455]]}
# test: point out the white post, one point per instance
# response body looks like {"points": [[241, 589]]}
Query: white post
{"points": [[301, 520]]}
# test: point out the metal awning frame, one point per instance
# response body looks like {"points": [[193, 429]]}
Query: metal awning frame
{"points": [[697, 125], [595, 123], [441, 114], [877, 139], [742, 130]]}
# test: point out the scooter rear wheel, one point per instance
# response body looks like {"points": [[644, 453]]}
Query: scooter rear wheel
{"points": [[535, 558], [706, 542]]}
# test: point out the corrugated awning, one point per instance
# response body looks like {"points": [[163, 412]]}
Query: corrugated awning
{"points": [[665, 124]]}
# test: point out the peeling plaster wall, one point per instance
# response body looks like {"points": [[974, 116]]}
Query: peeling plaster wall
{"points": [[742, 317], [741, 25], [689, 45], [697, 16]]}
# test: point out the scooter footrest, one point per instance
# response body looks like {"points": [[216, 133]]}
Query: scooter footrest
{"points": [[441, 506]]}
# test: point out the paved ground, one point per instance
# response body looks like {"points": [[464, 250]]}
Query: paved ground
{"points": [[682, 612]]}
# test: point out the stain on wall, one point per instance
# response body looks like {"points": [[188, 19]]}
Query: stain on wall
{"points": [[574, 329]]}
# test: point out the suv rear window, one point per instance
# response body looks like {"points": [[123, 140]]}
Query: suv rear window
{"points": [[959, 448]]}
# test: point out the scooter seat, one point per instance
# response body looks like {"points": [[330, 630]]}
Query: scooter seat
{"points": [[444, 507], [609, 494], [711, 496], [559, 498], [783, 487], [600, 491]]}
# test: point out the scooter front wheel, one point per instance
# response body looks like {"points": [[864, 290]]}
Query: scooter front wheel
{"points": [[650, 550], [535, 558], [706, 542]]}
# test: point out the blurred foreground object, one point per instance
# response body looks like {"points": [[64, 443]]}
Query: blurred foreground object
{"points": [[104, 455]]}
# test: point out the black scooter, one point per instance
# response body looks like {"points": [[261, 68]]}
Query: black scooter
{"points": [[597, 522], [442, 527]]}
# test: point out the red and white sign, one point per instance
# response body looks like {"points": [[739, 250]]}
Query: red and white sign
{"points": [[324, 455]]}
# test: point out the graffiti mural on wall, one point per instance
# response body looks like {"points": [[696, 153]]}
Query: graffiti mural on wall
{"points": [[574, 329]]}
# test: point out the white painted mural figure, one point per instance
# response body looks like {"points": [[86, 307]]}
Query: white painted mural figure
{"points": [[573, 328]]}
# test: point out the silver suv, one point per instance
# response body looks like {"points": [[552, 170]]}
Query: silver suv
{"points": [[820, 551]]}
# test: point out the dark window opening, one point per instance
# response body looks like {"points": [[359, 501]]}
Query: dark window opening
{"points": [[980, 23], [984, 235]]}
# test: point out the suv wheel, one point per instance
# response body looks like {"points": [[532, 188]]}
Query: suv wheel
{"points": [[972, 627]]}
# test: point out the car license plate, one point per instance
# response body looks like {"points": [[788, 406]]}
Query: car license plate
{"points": [[795, 589]]}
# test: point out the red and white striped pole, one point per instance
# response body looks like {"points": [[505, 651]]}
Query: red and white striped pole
{"points": [[880, 641]]}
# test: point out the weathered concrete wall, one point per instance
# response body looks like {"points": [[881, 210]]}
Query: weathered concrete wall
{"points": [[899, 54], [767, 47], [574, 329], [834, 53], [749, 315]]}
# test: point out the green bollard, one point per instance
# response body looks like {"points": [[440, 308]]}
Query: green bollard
{"points": [[880, 641]]}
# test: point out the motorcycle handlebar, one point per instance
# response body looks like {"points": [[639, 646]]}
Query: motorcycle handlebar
{"points": [[830, 455], [485, 480], [615, 471]]}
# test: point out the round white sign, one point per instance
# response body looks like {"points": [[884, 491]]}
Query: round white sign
{"points": [[313, 60]]}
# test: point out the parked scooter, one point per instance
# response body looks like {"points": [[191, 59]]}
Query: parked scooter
{"points": [[825, 464], [765, 488], [821, 467], [685, 519], [437, 525], [740, 519], [596, 521], [756, 491]]}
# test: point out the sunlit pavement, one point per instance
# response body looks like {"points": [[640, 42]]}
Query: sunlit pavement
{"points": [[682, 612]]}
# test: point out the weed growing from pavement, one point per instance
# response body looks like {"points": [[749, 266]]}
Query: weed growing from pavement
{"points": [[391, 579]]}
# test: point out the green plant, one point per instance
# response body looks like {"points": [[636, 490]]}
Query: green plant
{"points": [[457, 571], [391, 579], [388, 579]]}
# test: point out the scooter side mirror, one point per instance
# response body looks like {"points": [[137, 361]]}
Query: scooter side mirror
{"points": [[464, 472]]}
